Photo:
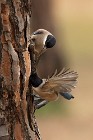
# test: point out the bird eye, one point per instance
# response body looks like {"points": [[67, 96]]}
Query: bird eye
{"points": [[39, 32]]}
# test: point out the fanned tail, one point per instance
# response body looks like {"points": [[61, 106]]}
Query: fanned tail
{"points": [[66, 79]]}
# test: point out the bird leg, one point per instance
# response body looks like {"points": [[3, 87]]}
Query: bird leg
{"points": [[39, 102]]}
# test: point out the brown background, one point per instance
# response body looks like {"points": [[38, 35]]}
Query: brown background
{"points": [[73, 22]]}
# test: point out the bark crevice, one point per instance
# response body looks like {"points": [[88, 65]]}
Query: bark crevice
{"points": [[15, 70]]}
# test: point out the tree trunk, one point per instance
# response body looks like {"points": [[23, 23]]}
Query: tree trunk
{"points": [[15, 70]]}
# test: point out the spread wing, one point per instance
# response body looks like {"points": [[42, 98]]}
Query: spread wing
{"points": [[64, 81]]}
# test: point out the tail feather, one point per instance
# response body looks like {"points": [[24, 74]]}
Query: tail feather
{"points": [[67, 96], [66, 79]]}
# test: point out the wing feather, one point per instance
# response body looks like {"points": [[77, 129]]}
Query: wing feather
{"points": [[64, 81]]}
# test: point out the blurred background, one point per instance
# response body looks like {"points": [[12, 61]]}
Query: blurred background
{"points": [[71, 21]]}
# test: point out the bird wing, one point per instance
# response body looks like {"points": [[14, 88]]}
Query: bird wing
{"points": [[64, 81]]}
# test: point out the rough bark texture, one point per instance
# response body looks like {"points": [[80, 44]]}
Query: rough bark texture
{"points": [[15, 70]]}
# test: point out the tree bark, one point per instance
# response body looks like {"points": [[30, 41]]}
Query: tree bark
{"points": [[15, 70]]}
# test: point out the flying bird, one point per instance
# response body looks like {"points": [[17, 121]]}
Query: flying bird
{"points": [[59, 84]]}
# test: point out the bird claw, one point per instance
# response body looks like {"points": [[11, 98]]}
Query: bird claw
{"points": [[38, 102]]}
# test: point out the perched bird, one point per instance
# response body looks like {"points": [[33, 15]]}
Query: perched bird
{"points": [[42, 39], [59, 84]]}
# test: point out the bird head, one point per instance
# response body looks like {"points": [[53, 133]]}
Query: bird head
{"points": [[42, 39]]}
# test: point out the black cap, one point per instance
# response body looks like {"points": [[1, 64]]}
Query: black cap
{"points": [[35, 80], [50, 41]]}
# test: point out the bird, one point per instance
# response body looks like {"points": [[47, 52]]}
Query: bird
{"points": [[60, 83], [42, 40]]}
